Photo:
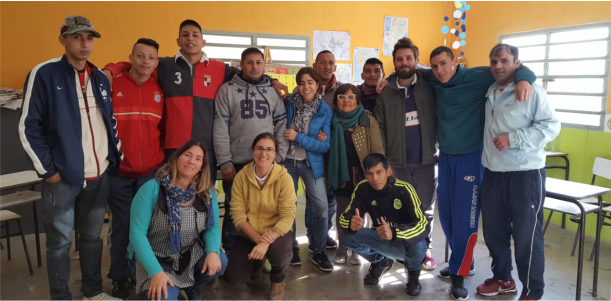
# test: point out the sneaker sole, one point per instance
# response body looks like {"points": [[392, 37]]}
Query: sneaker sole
{"points": [[471, 273], [513, 291], [321, 268], [428, 268], [460, 298], [295, 263]]}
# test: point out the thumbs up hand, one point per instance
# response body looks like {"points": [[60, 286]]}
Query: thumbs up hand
{"points": [[356, 222], [384, 231]]}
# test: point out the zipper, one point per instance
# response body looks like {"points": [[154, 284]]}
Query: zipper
{"points": [[95, 155], [140, 122]]}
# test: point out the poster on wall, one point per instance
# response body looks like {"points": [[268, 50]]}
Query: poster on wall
{"points": [[342, 73], [394, 29], [338, 42], [607, 125], [359, 58]]}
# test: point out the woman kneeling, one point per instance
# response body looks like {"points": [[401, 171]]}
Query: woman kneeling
{"points": [[263, 210], [174, 228]]}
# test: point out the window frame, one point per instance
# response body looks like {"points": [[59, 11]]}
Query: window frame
{"points": [[253, 39], [545, 78]]}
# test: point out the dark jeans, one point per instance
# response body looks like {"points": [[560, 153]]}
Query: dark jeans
{"points": [[60, 201], [122, 192], [228, 231], [200, 278], [422, 177], [309, 215], [240, 267], [512, 206], [368, 244]]}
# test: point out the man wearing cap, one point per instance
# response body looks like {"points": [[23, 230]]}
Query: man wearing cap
{"points": [[67, 129]]}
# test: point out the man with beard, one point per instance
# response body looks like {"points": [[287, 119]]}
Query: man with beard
{"points": [[406, 112]]}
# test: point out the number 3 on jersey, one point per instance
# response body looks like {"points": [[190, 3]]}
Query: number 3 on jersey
{"points": [[247, 110]]}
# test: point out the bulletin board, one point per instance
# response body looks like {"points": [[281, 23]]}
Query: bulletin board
{"points": [[283, 73]]}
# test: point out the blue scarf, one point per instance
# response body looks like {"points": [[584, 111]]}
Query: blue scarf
{"points": [[337, 172], [175, 195]]}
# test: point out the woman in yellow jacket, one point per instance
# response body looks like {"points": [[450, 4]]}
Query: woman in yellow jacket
{"points": [[263, 210]]}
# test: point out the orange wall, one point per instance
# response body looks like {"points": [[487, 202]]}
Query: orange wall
{"points": [[487, 20], [29, 30]]}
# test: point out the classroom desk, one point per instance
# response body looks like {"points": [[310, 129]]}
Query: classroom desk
{"points": [[566, 166], [24, 179], [573, 192]]}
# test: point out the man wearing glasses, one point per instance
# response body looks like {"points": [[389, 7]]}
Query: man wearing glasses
{"points": [[246, 106], [67, 129]]}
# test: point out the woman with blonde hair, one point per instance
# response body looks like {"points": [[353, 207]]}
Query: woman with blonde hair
{"points": [[174, 228]]}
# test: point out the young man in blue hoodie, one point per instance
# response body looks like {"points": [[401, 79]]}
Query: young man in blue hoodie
{"points": [[68, 130], [513, 188]]}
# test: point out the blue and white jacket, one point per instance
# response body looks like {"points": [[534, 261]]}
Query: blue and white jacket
{"points": [[314, 147], [530, 125], [50, 127]]}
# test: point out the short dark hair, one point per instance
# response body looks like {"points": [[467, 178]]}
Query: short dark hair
{"points": [[145, 41], [251, 50], [374, 159], [309, 71], [496, 50], [343, 88], [323, 52], [405, 43], [265, 135], [189, 22], [373, 61], [441, 49]]}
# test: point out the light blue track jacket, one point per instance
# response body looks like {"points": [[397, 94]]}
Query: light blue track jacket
{"points": [[530, 124]]}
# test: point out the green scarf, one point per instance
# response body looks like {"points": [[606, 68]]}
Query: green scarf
{"points": [[337, 172]]}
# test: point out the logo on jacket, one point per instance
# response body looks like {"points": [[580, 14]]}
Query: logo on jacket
{"points": [[104, 94], [397, 204], [374, 203], [469, 178], [207, 80], [157, 96], [119, 94]]}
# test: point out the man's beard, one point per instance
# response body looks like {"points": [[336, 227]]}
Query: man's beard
{"points": [[403, 74]]}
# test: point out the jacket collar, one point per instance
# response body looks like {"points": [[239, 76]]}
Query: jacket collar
{"points": [[495, 86], [179, 55]]}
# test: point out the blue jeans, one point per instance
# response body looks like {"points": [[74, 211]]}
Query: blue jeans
{"points": [[330, 213], [200, 279], [316, 192], [368, 244], [60, 202], [122, 191]]}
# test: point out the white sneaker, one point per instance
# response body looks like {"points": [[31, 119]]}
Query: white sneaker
{"points": [[102, 296]]}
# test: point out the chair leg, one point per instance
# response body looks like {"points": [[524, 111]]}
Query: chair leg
{"points": [[549, 217], [8, 241], [25, 248], [576, 238], [601, 221]]}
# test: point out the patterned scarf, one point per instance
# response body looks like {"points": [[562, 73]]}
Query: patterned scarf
{"points": [[175, 195], [367, 91], [303, 113]]}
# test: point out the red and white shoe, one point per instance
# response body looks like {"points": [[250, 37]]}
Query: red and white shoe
{"points": [[493, 287], [429, 263]]}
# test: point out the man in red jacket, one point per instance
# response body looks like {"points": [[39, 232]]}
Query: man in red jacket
{"points": [[137, 100]]}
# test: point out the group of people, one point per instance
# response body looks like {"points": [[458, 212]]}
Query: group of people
{"points": [[144, 139]]}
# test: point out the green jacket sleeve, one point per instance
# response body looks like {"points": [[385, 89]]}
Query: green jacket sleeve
{"points": [[142, 209], [212, 235]]}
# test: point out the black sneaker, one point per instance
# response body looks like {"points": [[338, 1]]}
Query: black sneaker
{"points": [[311, 248], [322, 261], [193, 294], [376, 270], [331, 243], [445, 273], [120, 289], [413, 287], [296, 260], [459, 290]]}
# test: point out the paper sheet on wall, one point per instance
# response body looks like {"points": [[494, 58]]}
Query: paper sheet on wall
{"points": [[394, 29], [358, 60], [342, 73], [607, 125], [338, 42]]}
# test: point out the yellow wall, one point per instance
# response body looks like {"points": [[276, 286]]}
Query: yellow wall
{"points": [[29, 30]]}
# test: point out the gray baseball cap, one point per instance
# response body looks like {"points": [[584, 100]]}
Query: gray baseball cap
{"points": [[74, 24]]}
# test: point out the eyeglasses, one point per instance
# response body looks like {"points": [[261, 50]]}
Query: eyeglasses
{"points": [[349, 97], [270, 151]]}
